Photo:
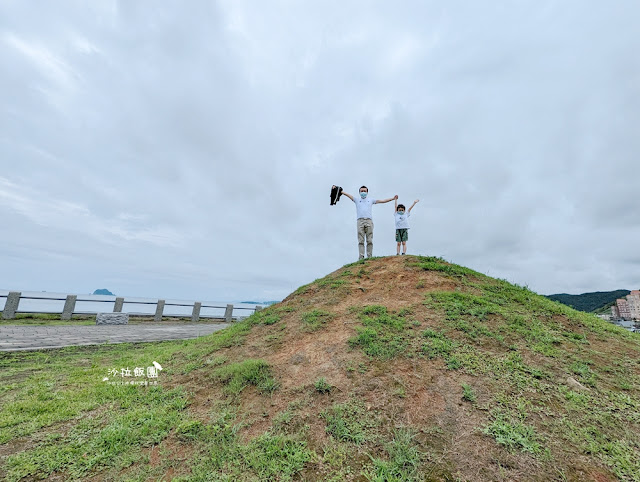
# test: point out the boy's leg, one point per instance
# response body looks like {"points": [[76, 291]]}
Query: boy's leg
{"points": [[398, 241], [398, 248], [404, 247], [369, 233], [360, 238]]}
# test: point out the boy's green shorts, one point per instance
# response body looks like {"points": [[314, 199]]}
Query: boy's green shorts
{"points": [[402, 235]]}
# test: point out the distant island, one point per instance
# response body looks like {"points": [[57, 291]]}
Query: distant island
{"points": [[103, 291], [260, 302]]}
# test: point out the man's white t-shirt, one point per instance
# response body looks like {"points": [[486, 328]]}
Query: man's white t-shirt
{"points": [[402, 220], [363, 206]]}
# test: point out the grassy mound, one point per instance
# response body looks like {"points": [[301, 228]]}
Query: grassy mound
{"points": [[399, 368]]}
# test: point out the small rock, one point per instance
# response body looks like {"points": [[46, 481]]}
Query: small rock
{"points": [[575, 384]]}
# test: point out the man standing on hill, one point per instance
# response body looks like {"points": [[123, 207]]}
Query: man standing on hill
{"points": [[365, 221]]}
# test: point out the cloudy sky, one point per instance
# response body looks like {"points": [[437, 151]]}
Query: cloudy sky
{"points": [[187, 149]]}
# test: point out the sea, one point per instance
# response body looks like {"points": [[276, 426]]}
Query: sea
{"points": [[49, 302]]}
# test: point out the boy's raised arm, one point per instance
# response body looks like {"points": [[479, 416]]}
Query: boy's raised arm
{"points": [[382, 201], [414, 203]]}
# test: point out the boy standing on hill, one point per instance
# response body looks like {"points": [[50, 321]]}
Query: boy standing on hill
{"points": [[402, 225], [364, 219]]}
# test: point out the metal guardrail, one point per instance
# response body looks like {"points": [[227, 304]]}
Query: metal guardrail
{"points": [[12, 303]]}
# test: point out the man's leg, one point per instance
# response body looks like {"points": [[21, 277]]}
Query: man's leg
{"points": [[369, 224], [361, 238]]}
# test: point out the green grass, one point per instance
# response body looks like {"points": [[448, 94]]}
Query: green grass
{"points": [[95, 443], [49, 319], [268, 316], [238, 376], [430, 263], [382, 334], [331, 283], [513, 434], [316, 319], [322, 386], [349, 422], [402, 460], [222, 455], [468, 394], [437, 344]]}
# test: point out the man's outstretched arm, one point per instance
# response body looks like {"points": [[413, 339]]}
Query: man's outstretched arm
{"points": [[382, 201], [348, 195]]}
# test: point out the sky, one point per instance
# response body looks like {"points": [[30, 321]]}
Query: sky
{"points": [[186, 150]]}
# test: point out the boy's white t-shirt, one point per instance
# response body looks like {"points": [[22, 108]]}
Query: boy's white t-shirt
{"points": [[363, 206], [402, 221]]}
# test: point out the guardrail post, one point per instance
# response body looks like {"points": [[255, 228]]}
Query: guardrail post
{"points": [[228, 314], [11, 305], [159, 310], [195, 315], [117, 306], [258, 308], [69, 306]]}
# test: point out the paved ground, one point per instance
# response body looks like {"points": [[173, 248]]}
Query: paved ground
{"points": [[22, 337]]}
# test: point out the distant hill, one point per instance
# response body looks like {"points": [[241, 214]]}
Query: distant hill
{"points": [[589, 301], [103, 291]]}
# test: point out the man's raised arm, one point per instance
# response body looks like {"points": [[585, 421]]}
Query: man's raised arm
{"points": [[382, 201], [348, 195]]}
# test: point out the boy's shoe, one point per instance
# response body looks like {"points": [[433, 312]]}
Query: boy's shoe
{"points": [[403, 254]]}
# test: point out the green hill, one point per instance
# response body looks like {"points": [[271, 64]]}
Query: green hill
{"points": [[388, 369], [590, 302]]}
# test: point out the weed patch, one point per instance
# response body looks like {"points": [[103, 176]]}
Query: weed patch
{"points": [[403, 459], [513, 434], [348, 422], [468, 394], [237, 376], [316, 319], [322, 386], [91, 446], [382, 334]]}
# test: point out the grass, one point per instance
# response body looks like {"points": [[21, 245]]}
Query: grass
{"points": [[468, 394], [513, 434], [44, 391], [48, 319], [268, 316], [238, 376], [316, 319], [382, 333], [349, 422], [94, 444], [437, 344], [221, 453], [402, 460], [322, 386]]}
